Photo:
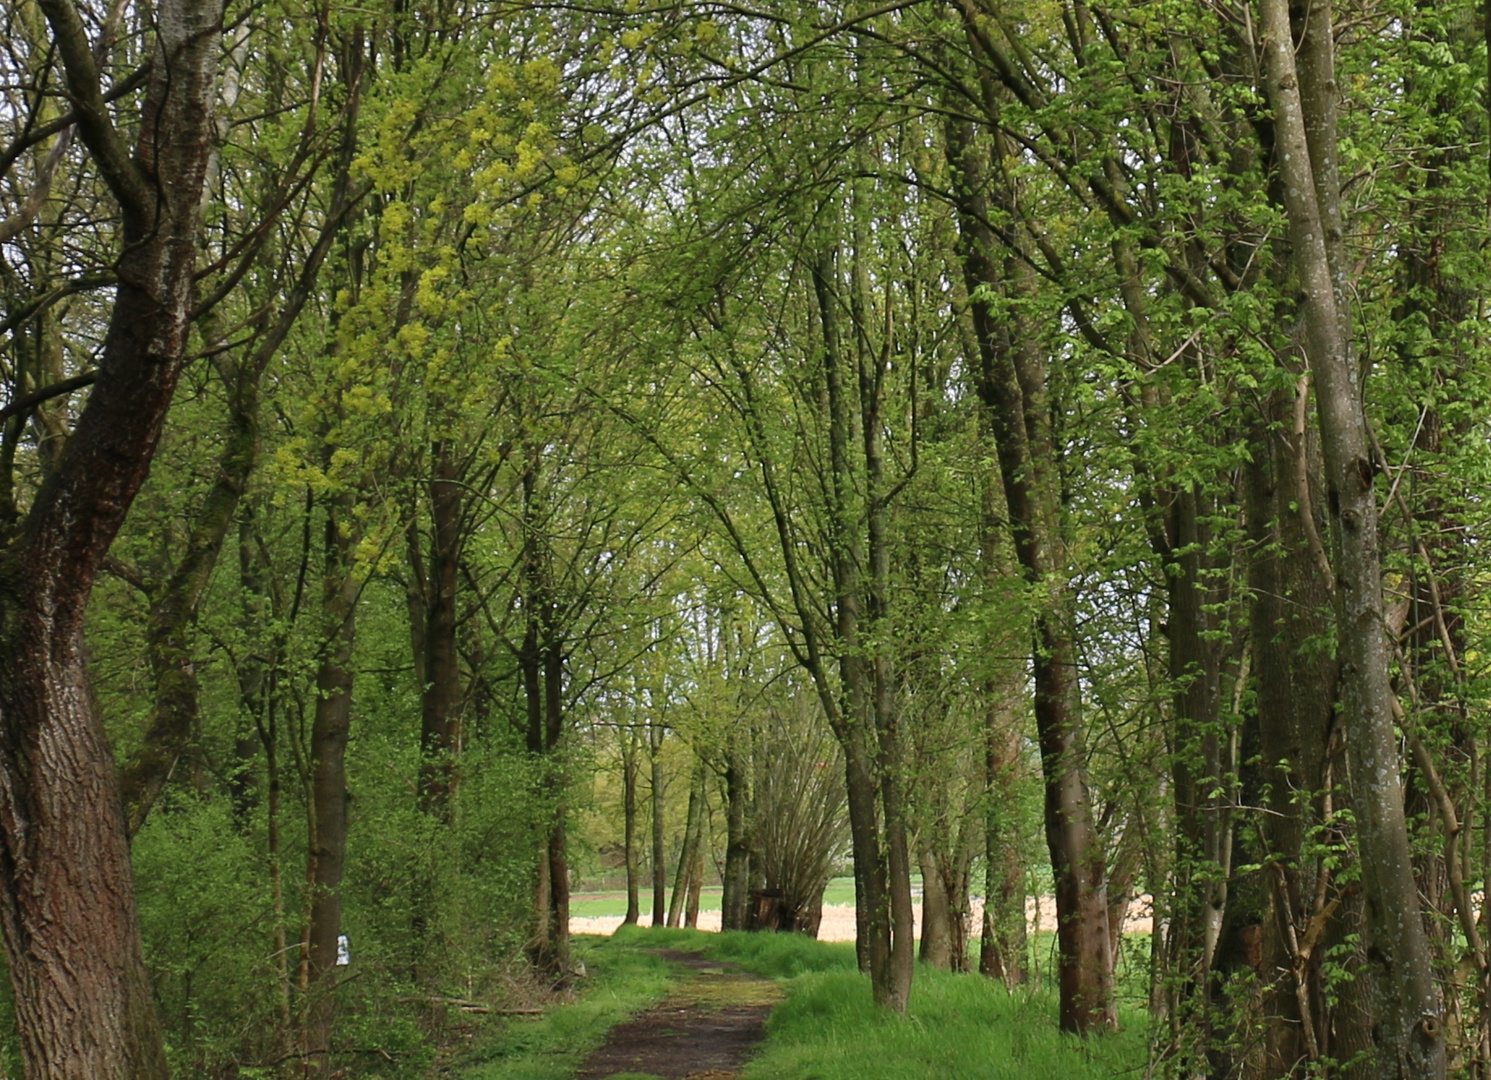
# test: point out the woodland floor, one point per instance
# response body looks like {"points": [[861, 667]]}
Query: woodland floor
{"points": [[706, 1028]]}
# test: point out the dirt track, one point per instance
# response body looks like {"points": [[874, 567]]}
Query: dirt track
{"points": [[704, 1030]]}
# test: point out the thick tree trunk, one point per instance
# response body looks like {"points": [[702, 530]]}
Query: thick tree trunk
{"points": [[937, 933], [1295, 689], [735, 896], [1410, 1025], [1003, 949], [1002, 946], [1197, 773], [82, 999]]}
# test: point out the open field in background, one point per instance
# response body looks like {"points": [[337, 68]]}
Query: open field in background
{"points": [[602, 913], [612, 902]]}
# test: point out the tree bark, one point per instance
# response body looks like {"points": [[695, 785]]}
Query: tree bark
{"points": [[1012, 384], [629, 767], [440, 712], [1410, 1040], [937, 934], [656, 791], [735, 897], [558, 839], [82, 999], [683, 879], [330, 730]]}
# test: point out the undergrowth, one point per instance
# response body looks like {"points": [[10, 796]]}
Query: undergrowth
{"points": [[622, 981]]}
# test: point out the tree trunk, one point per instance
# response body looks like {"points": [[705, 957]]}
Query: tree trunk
{"points": [[696, 884], [659, 838], [440, 713], [173, 613], [1012, 384], [629, 751], [67, 905], [1410, 1027], [683, 879], [936, 938], [558, 843], [328, 828], [735, 895]]}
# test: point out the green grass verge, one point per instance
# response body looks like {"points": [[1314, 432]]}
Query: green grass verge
{"points": [[624, 980], [959, 1027]]}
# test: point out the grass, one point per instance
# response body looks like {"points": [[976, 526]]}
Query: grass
{"points": [[777, 956], [959, 1027], [623, 981]]}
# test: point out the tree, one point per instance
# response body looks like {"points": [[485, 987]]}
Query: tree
{"points": [[1303, 92], [83, 1001]]}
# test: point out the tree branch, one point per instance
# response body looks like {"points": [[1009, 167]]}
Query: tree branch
{"points": [[27, 402]]}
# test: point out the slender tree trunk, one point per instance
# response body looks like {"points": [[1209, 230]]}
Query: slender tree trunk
{"points": [[173, 612], [684, 876], [541, 944], [1410, 1025], [440, 715], [330, 729], [659, 838], [1013, 387], [696, 884], [558, 842], [629, 764]]}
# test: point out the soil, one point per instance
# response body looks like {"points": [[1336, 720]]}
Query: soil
{"points": [[705, 1030]]}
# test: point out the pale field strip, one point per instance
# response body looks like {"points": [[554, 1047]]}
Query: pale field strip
{"points": [[838, 919]]}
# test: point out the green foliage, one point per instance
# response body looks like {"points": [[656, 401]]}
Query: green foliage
{"points": [[208, 928]]}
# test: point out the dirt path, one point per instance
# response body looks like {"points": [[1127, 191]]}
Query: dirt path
{"points": [[704, 1030]]}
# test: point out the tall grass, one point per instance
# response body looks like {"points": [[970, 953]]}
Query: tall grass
{"points": [[958, 1026]]}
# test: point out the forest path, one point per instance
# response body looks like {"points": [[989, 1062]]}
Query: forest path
{"points": [[705, 1029]]}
